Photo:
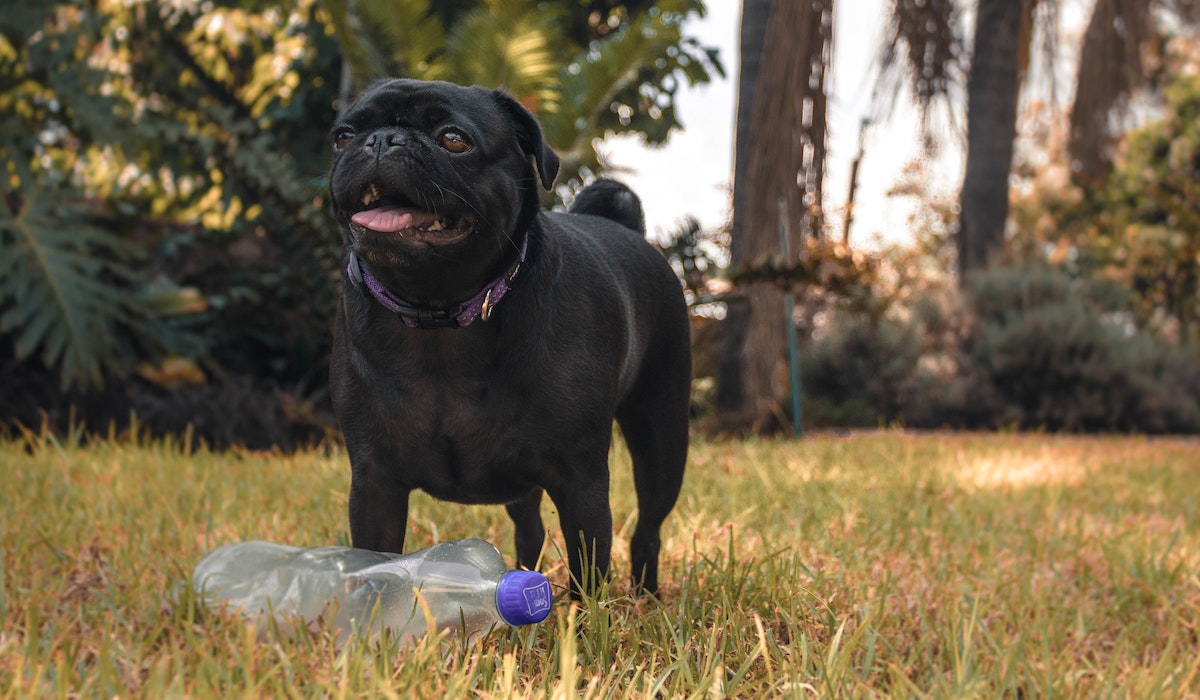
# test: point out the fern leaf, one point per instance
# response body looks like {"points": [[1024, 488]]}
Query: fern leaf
{"points": [[64, 285]]}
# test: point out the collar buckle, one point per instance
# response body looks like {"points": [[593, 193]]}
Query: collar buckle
{"points": [[425, 317]]}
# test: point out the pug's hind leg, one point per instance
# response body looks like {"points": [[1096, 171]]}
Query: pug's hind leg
{"points": [[659, 456], [654, 423]]}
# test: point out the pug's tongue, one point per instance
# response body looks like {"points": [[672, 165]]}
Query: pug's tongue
{"points": [[388, 219]]}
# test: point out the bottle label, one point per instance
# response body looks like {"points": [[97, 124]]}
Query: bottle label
{"points": [[538, 598]]}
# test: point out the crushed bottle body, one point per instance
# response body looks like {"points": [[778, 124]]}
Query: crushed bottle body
{"points": [[455, 585]]}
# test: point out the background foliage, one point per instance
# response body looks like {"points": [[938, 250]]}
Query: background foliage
{"points": [[164, 247], [163, 217], [1139, 228], [1089, 325]]}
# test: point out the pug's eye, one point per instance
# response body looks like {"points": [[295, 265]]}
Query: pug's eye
{"points": [[454, 141], [342, 138]]}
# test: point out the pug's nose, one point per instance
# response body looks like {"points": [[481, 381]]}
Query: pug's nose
{"points": [[384, 141]]}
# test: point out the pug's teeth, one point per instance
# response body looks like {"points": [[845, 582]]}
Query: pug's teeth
{"points": [[371, 197], [437, 225]]}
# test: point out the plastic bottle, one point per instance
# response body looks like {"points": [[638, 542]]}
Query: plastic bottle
{"points": [[461, 585]]}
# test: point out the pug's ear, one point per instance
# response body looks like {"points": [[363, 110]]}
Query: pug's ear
{"points": [[529, 137]]}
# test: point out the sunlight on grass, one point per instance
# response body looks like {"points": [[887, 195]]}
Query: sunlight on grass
{"points": [[1020, 471], [880, 564]]}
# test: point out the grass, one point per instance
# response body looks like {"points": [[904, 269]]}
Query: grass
{"points": [[885, 564]]}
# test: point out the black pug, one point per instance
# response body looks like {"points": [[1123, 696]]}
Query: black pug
{"points": [[483, 347]]}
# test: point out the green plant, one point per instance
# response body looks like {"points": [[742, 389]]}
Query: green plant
{"points": [[133, 135], [1138, 226], [1044, 354], [859, 372], [69, 286], [1028, 347]]}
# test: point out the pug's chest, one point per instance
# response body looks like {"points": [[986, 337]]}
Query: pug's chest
{"points": [[462, 411], [461, 439], [472, 423]]}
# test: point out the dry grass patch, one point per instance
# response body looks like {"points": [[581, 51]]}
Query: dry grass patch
{"points": [[884, 564]]}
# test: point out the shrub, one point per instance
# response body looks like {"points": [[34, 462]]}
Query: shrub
{"points": [[860, 373], [1044, 352], [1028, 348]]}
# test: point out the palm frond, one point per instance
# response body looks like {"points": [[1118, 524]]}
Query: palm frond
{"points": [[607, 87], [65, 284], [386, 38], [922, 48], [523, 58], [588, 86]]}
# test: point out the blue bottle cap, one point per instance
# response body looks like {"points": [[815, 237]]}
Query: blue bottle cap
{"points": [[523, 597]]}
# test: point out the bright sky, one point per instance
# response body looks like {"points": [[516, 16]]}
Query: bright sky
{"points": [[692, 173]]}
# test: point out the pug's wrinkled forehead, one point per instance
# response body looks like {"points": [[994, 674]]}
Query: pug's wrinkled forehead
{"points": [[420, 104], [491, 120]]}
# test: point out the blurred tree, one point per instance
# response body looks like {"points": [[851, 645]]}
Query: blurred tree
{"points": [[992, 93], [786, 50], [926, 49], [1138, 228], [1123, 53], [1120, 54], [731, 397]]}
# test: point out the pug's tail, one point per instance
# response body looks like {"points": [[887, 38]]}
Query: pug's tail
{"points": [[612, 200]]}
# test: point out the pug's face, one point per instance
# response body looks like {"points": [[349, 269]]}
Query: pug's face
{"points": [[429, 173]]}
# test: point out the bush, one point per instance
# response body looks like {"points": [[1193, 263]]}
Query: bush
{"points": [[1028, 348], [1044, 352], [860, 373]]}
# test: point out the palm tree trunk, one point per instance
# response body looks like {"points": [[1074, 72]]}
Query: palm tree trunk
{"points": [[992, 91], [781, 156], [1110, 70], [731, 393]]}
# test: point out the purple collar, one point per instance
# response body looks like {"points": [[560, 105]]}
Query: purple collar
{"points": [[481, 306]]}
